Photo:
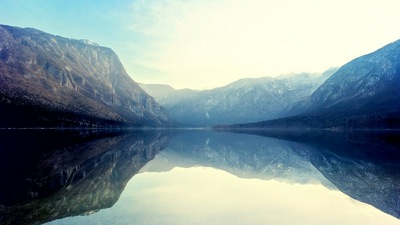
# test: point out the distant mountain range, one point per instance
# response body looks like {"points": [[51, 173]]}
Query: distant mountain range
{"points": [[51, 81], [246, 100], [364, 93], [167, 96]]}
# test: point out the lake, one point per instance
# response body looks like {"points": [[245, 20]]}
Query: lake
{"points": [[199, 177]]}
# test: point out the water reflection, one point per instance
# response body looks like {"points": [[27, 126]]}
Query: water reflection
{"points": [[362, 164], [204, 195], [54, 174], [245, 156], [202, 177]]}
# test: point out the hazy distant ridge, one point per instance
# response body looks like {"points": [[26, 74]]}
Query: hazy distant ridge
{"points": [[245, 100]]}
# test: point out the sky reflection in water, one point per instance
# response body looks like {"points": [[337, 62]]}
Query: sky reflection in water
{"points": [[204, 195]]}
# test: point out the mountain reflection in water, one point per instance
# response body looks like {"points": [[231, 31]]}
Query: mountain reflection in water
{"points": [[202, 177], [50, 174], [364, 165]]}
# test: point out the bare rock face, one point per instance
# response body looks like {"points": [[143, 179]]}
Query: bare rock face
{"points": [[47, 80]]}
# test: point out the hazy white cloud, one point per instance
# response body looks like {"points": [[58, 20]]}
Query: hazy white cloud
{"points": [[210, 43]]}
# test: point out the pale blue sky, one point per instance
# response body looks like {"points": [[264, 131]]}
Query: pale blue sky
{"points": [[209, 43]]}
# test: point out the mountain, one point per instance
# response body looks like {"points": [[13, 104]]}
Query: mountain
{"points": [[246, 100], [363, 93], [166, 95], [158, 91], [51, 81], [55, 174]]}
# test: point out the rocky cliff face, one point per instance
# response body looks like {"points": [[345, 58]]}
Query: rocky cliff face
{"points": [[48, 80]]}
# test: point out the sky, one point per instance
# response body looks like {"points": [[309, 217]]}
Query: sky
{"points": [[203, 44]]}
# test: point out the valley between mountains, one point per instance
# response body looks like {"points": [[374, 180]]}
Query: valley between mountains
{"points": [[52, 81]]}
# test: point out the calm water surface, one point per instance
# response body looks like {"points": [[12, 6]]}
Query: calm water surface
{"points": [[199, 177]]}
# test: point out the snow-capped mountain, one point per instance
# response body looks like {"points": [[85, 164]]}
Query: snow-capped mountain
{"points": [[246, 100], [47, 80], [364, 93]]}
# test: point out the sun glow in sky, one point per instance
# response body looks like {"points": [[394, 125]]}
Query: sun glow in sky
{"points": [[209, 43]]}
